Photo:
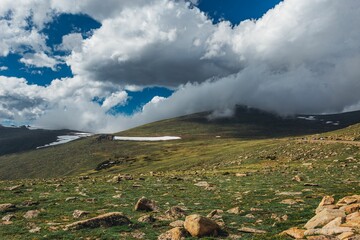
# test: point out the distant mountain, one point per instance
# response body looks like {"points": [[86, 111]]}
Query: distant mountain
{"points": [[202, 141], [20, 139]]}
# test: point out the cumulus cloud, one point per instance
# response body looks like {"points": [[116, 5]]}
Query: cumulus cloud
{"points": [[40, 59], [300, 57], [71, 42], [160, 44]]}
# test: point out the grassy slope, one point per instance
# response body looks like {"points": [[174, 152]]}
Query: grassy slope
{"points": [[270, 162]]}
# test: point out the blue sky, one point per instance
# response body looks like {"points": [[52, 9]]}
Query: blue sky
{"points": [[233, 11]]}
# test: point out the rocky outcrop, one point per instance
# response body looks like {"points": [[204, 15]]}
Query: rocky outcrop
{"points": [[332, 221]]}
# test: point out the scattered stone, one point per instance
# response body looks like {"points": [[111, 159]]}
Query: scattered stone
{"points": [[144, 204], [118, 196], [70, 199], [250, 216], [199, 226], [12, 188], [104, 220], [176, 212], [79, 213], [173, 234], [235, 210], [289, 201], [234, 237], [215, 214], [8, 217], [5, 207], [294, 233], [29, 203], [297, 178], [289, 193], [321, 237], [35, 230], [241, 175], [251, 230], [31, 214], [177, 223], [324, 217], [146, 219]]}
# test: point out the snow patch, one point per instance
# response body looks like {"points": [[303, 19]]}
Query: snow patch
{"points": [[66, 138], [151, 139]]}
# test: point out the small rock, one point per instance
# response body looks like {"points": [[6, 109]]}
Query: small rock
{"points": [[176, 212], [297, 178], [35, 230], [177, 223], [144, 204], [146, 219], [104, 220], [5, 207], [289, 193], [8, 217], [235, 210], [70, 199], [79, 213], [12, 188], [289, 201], [199, 226], [31, 214], [251, 230], [241, 175]]}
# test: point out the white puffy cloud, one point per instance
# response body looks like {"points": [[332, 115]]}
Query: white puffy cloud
{"points": [[160, 44], [40, 59], [300, 57], [71, 42], [116, 98], [3, 68]]}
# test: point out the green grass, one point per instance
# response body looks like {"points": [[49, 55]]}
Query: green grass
{"points": [[270, 159]]}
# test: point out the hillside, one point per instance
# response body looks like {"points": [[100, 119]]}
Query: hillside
{"points": [[202, 140], [255, 172], [21, 139]]}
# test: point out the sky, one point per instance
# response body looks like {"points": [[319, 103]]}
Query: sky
{"points": [[107, 67]]}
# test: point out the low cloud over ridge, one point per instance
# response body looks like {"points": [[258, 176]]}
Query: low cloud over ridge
{"points": [[300, 57]]}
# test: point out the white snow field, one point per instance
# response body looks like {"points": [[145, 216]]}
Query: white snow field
{"points": [[150, 139]]}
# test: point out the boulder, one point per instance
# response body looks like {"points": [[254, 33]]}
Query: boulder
{"points": [[345, 235], [324, 217], [199, 226], [326, 202], [104, 220], [144, 204]]}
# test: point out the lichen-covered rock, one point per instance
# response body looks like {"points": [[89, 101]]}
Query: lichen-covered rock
{"points": [[199, 226]]}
